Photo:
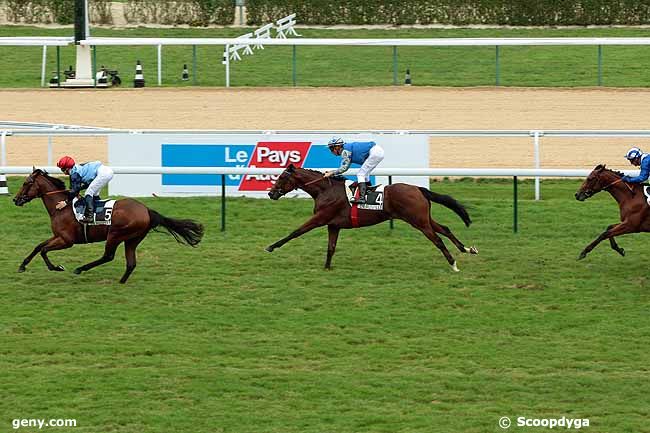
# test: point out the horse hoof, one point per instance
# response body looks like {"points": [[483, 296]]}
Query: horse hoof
{"points": [[58, 268], [622, 252], [268, 249], [582, 256], [471, 250], [21, 269], [78, 271], [455, 268]]}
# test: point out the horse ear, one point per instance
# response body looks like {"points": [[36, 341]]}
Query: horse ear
{"points": [[600, 167], [33, 169], [291, 168]]}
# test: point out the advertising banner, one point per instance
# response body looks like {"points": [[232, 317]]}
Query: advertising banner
{"points": [[245, 150]]}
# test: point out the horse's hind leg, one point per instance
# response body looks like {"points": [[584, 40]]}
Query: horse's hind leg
{"points": [[445, 231], [109, 254], [333, 236], [129, 252], [433, 237]]}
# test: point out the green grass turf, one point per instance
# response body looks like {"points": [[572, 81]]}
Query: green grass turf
{"points": [[351, 66], [228, 338]]}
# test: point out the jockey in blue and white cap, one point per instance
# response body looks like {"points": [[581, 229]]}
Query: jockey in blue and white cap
{"points": [[638, 159], [366, 153]]}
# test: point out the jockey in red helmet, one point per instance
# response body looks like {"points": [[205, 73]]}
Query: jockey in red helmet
{"points": [[91, 175]]}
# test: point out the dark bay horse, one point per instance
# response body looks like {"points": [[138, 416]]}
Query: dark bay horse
{"points": [[401, 201], [634, 211], [131, 222]]}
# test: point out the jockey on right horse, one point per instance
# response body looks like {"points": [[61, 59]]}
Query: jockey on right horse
{"points": [[638, 158], [91, 175], [367, 153]]}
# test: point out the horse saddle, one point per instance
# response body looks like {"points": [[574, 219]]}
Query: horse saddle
{"points": [[103, 211], [354, 185], [374, 196]]}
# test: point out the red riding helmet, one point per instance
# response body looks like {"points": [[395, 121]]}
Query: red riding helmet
{"points": [[65, 163]]}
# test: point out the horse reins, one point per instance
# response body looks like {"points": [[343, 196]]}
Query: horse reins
{"points": [[617, 181], [319, 179], [55, 192]]}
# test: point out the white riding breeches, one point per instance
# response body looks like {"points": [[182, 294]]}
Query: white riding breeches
{"points": [[375, 156], [104, 175]]}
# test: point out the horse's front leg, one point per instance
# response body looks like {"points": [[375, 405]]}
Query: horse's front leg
{"points": [[56, 243], [614, 245], [317, 220], [29, 258], [611, 231]]}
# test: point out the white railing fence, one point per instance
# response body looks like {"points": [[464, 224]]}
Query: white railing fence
{"points": [[229, 42], [536, 137]]}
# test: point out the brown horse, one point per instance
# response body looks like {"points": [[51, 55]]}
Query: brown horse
{"points": [[131, 222], [406, 202], [634, 211]]}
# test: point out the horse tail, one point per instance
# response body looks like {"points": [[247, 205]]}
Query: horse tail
{"points": [[188, 231], [449, 202]]}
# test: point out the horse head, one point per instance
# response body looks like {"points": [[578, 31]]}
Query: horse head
{"points": [[292, 178], [599, 179], [36, 184], [284, 184]]}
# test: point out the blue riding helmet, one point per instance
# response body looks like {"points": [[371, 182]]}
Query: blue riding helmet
{"points": [[336, 141], [633, 153]]}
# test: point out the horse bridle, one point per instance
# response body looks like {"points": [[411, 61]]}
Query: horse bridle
{"points": [[296, 186], [44, 194]]}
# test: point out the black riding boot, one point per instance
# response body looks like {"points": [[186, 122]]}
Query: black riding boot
{"points": [[363, 186], [89, 213]]}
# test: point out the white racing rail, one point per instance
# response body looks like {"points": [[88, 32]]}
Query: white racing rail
{"points": [[536, 135], [267, 40], [429, 172]]}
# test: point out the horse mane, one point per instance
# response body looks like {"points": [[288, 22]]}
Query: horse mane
{"points": [[616, 172], [620, 174], [58, 183]]}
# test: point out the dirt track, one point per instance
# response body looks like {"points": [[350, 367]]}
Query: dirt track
{"points": [[358, 108]]}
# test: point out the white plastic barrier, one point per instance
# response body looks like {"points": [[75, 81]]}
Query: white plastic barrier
{"points": [[285, 26], [263, 32]]}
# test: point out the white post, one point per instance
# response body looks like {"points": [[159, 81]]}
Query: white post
{"points": [[4, 190], [160, 65], [3, 145], [227, 65], [536, 135], [50, 150], [43, 71]]}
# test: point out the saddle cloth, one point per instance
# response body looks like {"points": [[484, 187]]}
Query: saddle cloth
{"points": [[374, 196], [103, 211]]}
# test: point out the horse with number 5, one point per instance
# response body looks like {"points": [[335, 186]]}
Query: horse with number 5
{"points": [[409, 203], [130, 222]]}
